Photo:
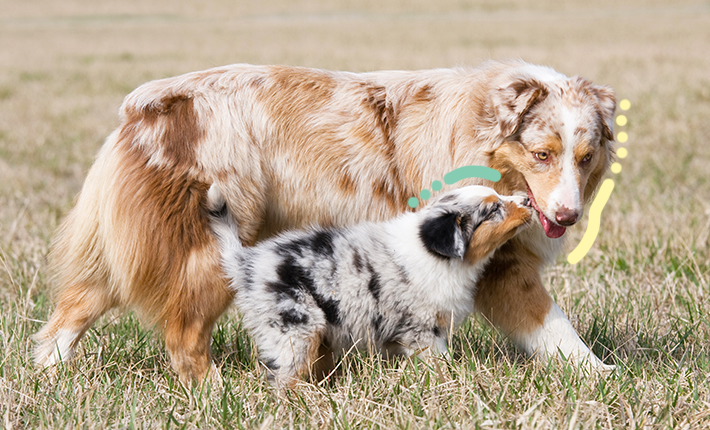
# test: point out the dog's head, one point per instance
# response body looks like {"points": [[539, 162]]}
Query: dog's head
{"points": [[557, 135], [471, 222]]}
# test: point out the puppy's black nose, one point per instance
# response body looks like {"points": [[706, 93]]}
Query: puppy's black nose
{"points": [[526, 202]]}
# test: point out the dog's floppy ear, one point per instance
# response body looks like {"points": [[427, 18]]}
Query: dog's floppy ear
{"points": [[511, 102], [607, 105], [446, 234]]}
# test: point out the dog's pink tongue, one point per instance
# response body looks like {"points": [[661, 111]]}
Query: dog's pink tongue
{"points": [[552, 230]]}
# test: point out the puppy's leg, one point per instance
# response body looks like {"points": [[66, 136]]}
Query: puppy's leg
{"points": [[324, 363], [434, 349], [79, 306], [511, 296], [288, 353], [423, 341]]}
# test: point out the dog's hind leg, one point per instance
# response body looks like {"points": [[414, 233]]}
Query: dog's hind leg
{"points": [[512, 297], [82, 289], [195, 302], [79, 306]]}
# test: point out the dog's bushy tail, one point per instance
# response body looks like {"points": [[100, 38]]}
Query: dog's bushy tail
{"points": [[224, 226]]}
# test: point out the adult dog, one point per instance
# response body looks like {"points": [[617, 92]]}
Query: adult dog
{"points": [[291, 147], [397, 287]]}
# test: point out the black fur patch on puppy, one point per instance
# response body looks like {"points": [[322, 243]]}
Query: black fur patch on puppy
{"points": [[294, 279], [443, 235]]}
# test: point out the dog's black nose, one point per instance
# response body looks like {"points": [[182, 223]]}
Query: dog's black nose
{"points": [[526, 202], [566, 217]]}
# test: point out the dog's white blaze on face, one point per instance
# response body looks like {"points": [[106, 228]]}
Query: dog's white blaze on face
{"points": [[568, 192], [560, 147]]}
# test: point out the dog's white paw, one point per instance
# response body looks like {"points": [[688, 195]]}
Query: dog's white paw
{"points": [[557, 338], [50, 350]]}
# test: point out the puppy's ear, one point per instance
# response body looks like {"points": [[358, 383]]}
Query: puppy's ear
{"points": [[511, 102], [446, 234], [607, 105]]}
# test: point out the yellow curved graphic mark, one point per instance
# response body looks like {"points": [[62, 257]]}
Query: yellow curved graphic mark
{"points": [[595, 211], [595, 216]]}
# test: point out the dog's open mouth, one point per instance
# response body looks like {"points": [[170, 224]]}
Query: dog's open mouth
{"points": [[552, 230]]}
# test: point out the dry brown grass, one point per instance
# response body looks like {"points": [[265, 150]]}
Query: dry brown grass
{"points": [[642, 293]]}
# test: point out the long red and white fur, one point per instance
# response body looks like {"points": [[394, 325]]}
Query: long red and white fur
{"points": [[291, 147]]}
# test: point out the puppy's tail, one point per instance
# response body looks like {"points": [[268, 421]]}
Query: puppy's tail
{"points": [[224, 226]]}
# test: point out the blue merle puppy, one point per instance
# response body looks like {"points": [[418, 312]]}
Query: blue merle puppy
{"points": [[397, 287]]}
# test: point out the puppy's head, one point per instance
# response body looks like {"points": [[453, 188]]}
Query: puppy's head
{"points": [[556, 141], [471, 222]]}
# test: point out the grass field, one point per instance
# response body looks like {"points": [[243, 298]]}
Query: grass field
{"points": [[641, 297]]}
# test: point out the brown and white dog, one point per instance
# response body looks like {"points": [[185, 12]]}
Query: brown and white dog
{"points": [[290, 147]]}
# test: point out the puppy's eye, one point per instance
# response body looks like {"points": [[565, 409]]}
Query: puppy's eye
{"points": [[587, 158], [542, 155], [493, 210]]}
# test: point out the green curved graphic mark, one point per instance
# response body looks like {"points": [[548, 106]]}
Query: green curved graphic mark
{"points": [[472, 172], [595, 211], [454, 176]]}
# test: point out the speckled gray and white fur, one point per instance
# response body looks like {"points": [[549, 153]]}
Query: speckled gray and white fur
{"points": [[396, 287]]}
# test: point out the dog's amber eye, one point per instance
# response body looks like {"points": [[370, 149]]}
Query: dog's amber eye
{"points": [[542, 156], [587, 158]]}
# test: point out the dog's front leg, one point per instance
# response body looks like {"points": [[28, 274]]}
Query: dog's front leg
{"points": [[511, 296], [556, 335]]}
